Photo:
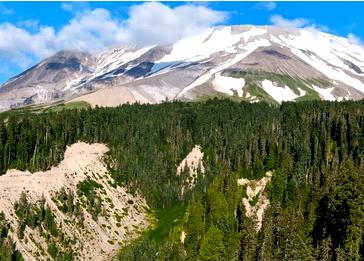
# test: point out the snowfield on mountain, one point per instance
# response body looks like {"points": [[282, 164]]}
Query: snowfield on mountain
{"points": [[269, 63]]}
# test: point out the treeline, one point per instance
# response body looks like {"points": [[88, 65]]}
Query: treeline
{"points": [[316, 150], [146, 141]]}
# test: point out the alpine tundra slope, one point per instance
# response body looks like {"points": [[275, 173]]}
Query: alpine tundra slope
{"points": [[249, 62]]}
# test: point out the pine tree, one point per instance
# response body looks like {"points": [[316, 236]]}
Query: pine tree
{"points": [[212, 246]]}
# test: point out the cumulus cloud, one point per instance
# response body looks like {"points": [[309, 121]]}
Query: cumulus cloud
{"points": [[75, 7], [154, 22], [20, 47], [269, 6], [147, 23], [280, 21], [29, 24], [90, 32], [354, 39]]}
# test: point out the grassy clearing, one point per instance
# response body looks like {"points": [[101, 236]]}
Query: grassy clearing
{"points": [[254, 78], [221, 96], [68, 106], [311, 95], [257, 91], [167, 218], [57, 107], [163, 222]]}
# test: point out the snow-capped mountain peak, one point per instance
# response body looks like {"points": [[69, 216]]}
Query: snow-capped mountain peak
{"points": [[249, 62]]}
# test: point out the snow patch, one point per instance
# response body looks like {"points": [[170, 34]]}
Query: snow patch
{"points": [[73, 84], [192, 48], [329, 71], [250, 47], [302, 92], [280, 94], [228, 85], [254, 31], [202, 46], [325, 94], [113, 60], [326, 53], [119, 57]]}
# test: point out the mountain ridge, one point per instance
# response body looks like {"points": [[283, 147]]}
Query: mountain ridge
{"points": [[325, 66]]}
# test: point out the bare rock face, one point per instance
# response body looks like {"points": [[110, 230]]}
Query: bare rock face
{"points": [[193, 165], [256, 201], [316, 64], [93, 217], [49, 80]]}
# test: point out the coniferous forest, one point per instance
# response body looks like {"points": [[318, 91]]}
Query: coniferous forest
{"points": [[314, 149]]}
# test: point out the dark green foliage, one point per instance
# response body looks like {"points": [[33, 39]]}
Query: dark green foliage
{"points": [[167, 218], [66, 203], [39, 216], [53, 250], [316, 150], [88, 189], [212, 247], [8, 251], [34, 215]]}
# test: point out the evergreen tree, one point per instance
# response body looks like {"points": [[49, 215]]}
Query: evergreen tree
{"points": [[212, 246]]}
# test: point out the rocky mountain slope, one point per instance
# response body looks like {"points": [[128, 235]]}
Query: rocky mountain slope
{"points": [[247, 62], [74, 211]]}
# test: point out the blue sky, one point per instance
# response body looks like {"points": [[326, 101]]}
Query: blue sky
{"points": [[31, 31]]}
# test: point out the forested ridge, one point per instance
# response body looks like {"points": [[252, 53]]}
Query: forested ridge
{"points": [[315, 150]]}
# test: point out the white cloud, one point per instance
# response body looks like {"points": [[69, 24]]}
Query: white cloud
{"points": [[154, 22], [90, 32], [266, 5], [354, 39], [30, 24], [75, 7], [67, 6], [20, 47], [280, 21], [94, 30]]}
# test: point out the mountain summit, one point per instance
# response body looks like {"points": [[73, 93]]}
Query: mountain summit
{"points": [[244, 62]]}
